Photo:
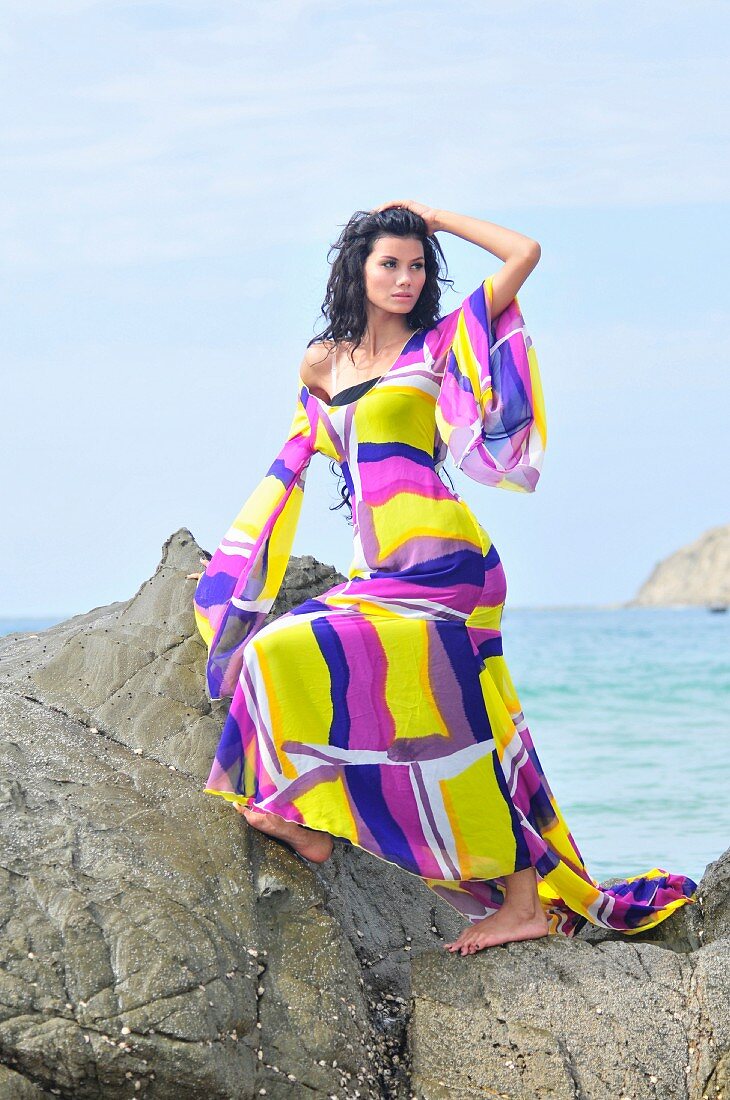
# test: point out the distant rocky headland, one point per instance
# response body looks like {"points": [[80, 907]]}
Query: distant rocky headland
{"points": [[695, 575], [153, 945]]}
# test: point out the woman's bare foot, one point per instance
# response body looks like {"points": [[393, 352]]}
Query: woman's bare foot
{"points": [[504, 926], [520, 917], [313, 844]]}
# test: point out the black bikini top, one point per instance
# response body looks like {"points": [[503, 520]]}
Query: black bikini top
{"points": [[351, 393]]}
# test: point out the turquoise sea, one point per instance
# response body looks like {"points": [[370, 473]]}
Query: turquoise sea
{"points": [[629, 710]]}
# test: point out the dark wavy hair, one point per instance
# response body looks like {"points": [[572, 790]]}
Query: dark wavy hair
{"points": [[343, 307]]}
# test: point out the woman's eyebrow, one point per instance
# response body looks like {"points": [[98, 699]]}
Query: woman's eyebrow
{"points": [[395, 257]]}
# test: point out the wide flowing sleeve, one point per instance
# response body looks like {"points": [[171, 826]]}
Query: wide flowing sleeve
{"points": [[490, 412], [243, 577]]}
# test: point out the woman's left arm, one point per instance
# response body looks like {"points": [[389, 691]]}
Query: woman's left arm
{"points": [[520, 254]]}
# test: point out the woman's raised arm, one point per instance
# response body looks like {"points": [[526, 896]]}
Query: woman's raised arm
{"points": [[520, 254]]}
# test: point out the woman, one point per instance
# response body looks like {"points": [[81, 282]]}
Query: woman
{"points": [[382, 711]]}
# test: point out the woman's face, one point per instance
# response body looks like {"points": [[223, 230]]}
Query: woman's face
{"points": [[395, 272]]}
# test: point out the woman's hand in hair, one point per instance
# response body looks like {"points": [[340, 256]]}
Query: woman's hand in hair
{"points": [[429, 215]]}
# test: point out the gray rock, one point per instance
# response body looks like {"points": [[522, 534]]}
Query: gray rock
{"points": [[15, 1087], [134, 670], [598, 1017], [714, 892], [131, 904], [534, 1009]]}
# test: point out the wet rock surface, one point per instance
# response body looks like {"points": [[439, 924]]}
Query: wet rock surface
{"points": [[153, 944]]}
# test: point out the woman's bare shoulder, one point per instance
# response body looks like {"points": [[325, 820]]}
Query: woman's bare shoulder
{"points": [[317, 363]]}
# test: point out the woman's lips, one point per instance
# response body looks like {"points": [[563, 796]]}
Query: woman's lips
{"points": [[402, 295]]}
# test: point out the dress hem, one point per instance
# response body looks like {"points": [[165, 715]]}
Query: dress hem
{"points": [[240, 799], [667, 911]]}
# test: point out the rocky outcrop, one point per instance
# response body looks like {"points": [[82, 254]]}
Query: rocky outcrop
{"points": [[152, 944], [698, 574], [576, 1019], [134, 671]]}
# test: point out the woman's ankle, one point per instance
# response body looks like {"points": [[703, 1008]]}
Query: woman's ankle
{"points": [[521, 897]]}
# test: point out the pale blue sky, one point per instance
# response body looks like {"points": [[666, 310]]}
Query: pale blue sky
{"points": [[173, 174]]}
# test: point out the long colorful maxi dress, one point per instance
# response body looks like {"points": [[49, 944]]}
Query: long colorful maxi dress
{"points": [[382, 711]]}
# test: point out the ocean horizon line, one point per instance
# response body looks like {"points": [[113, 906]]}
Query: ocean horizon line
{"points": [[51, 618]]}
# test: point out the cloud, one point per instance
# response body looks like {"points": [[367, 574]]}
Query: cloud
{"points": [[155, 131]]}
